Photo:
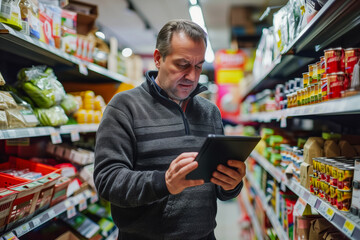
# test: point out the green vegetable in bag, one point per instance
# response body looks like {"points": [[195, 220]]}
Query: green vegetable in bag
{"points": [[69, 104], [54, 116]]}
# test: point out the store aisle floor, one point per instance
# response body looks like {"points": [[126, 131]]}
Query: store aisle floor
{"points": [[227, 220]]}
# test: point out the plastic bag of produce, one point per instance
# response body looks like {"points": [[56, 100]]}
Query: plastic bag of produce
{"points": [[15, 118], [69, 104], [3, 120], [54, 116], [42, 86]]}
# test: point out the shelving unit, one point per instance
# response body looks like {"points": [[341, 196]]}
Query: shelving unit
{"points": [[345, 222], [67, 205], [329, 26], [269, 211], [253, 219], [72, 68]]}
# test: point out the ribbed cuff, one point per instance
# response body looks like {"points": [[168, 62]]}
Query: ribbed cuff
{"points": [[160, 187], [227, 195]]}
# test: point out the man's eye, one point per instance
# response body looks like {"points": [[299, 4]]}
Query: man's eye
{"points": [[198, 67], [183, 65]]}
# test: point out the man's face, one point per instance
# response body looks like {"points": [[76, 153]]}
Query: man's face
{"points": [[180, 71]]}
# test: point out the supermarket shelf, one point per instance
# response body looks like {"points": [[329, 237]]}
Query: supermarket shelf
{"points": [[253, 218], [330, 24], [67, 205], [345, 222], [46, 131], [274, 172], [342, 106], [22, 45], [269, 211]]}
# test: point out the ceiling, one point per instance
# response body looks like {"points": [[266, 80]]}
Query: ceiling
{"points": [[117, 20]]}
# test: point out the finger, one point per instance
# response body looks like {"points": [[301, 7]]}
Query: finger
{"points": [[182, 163], [236, 164], [224, 185], [185, 155], [224, 178], [228, 171], [193, 183], [187, 169]]}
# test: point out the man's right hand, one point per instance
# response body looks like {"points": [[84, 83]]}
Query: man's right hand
{"points": [[175, 176]]}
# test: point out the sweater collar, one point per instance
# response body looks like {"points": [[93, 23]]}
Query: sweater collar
{"points": [[153, 86]]}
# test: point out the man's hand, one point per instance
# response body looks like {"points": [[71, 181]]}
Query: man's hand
{"points": [[179, 168], [229, 178]]}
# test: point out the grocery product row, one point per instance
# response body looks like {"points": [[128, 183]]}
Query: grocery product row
{"points": [[286, 48]]}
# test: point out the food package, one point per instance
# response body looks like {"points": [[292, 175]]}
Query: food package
{"points": [[30, 18], [15, 118], [334, 236], [311, 9], [313, 148], [305, 171], [10, 13], [54, 116], [6, 101], [46, 26], [331, 149], [346, 149], [41, 85], [2, 80], [54, 13], [319, 227], [69, 42], [3, 120], [357, 149], [69, 104]]}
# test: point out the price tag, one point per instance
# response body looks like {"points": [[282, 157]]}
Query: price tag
{"points": [[75, 136], [312, 200], [52, 213], [21, 230], [300, 207], [322, 208], [10, 236], [283, 122], [71, 211], [329, 214], [36, 222], [11, 133], [1, 135], [42, 131], [83, 69], [348, 228], [55, 137], [31, 132], [82, 204], [94, 197]]}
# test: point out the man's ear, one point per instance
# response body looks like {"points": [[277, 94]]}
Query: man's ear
{"points": [[157, 58]]}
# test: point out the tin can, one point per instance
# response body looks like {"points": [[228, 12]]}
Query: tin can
{"points": [[316, 93], [328, 169], [322, 67], [315, 167], [334, 174], [303, 96], [308, 95], [333, 60], [345, 177], [298, 97], [325, 190], [322, 169], [312, 73], [335, 83], [312, 93], [344, 199], [319, 93], [352, 56], [312, 183], [324, 89], [333, 196], [305, 79]]}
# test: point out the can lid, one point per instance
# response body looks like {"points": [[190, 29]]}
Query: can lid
{"points": [[336, 73], [348, 49], [345, 190]]}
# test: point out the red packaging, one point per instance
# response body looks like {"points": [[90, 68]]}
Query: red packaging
{"points": [[335, 83], [324, 89], [334, 60], [352, 56]]}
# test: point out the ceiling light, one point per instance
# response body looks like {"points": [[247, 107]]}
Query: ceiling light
{"points": [[197, 17], [126, 52], [193, 2], [100, 35]]}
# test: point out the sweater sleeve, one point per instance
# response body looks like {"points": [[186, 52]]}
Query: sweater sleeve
{"points": [[114, 177], [227, 195]]}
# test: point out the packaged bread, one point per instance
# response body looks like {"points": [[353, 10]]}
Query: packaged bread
{"points": [[6, 101], [15, 118], [313, 148], [357, 149], [3, 120], [346, 149], [331, 148]]}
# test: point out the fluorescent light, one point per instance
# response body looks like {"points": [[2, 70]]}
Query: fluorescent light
{"points": [[100, 35], [197, 17], [193, 2], [126, 52]]}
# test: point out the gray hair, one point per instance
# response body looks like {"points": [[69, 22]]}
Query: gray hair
{"points": [[191, 29]]}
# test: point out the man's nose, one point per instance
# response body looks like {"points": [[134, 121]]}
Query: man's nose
{"points": [[191, 74]]}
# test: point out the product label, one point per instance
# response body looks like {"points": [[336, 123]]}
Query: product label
{"points": [[5, 9]]}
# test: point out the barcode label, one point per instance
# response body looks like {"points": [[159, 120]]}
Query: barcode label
{"points": [[5, 10], [25, 28]]}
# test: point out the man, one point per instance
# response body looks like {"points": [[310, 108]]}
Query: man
{"points": [[147, 142]]}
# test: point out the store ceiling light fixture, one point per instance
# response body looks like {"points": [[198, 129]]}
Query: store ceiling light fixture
{"points": [[127, 52], [198, 17]]}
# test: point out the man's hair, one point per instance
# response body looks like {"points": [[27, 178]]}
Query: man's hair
{"points": [[191, 29]]}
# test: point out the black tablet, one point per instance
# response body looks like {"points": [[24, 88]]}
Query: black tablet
{"points": [[218, 149]]}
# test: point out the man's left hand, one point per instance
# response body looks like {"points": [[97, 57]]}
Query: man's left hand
{"points": [[229, 178]]}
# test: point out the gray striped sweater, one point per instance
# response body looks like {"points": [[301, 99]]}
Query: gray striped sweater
{"points": [[141, 132]]}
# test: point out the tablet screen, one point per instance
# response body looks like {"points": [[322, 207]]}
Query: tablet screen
{"points": [[218, 149]]}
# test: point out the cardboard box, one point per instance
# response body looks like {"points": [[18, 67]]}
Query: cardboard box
{"points": [[67, 236], [305, 171], [86, 15]]}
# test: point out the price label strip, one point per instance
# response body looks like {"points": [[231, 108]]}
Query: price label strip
{"points": [[71, 211], [82, 204], [10, 236], [83, 69], [94, 197], [75, 136], [329, 214], [348, 228], [312, 200], [55, 137]]}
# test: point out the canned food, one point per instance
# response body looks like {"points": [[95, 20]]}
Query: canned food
{"points": [[312, 183], [322, 169], [308, 96], [334, 175], [352, 56], [326, 190], [328, 169], [298, 97], [324, 89], [333, 196], [319, 93], [345, 177], [344, 199], [305, 79], [315, 167], [333, 60], [318, 71], [335, 83], [316, 91], [312, 93]]}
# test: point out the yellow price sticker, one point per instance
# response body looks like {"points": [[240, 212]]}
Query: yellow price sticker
{"points": [[330, 213], [348, 227]]}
